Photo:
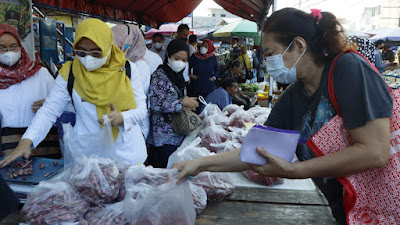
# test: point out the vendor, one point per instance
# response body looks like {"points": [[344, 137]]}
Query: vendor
{"points": [[24, 85], [310, 42], [167, 97], [101, 87], [223, 95]]}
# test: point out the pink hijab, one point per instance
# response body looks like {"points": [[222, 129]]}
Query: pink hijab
{"points": [[130, 34]]}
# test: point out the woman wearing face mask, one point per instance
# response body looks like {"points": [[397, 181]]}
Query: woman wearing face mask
{"points": [[101, 87], [167, 97], [300, 48], [130, 37], [23, 87], [205, 70]]}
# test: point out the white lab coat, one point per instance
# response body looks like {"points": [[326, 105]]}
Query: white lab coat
{"points": [[16, 101], [130, 144]]}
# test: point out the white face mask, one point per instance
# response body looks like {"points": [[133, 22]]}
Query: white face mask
{"points": [[176, 66], [277, 70], [157, 45], [91, 63], [203, 50], [234, 45], [10, 58]]}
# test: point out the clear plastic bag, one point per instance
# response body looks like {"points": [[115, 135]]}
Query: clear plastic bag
{"points": [[213, 134], [199, 198], [140, 178], [53, 203], [112, 214], [168, 204], [238, 134], [187, 153], [238, 119], [217, 119], [95, 178], [216, 185], [258, 179], [225, 146], [232, 108], [261, 114], [209, 109]]}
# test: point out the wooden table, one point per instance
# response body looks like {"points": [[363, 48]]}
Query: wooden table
{"points": [[248, 206]]}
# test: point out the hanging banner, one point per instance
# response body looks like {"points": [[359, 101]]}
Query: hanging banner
{"points": [[18, 14]]}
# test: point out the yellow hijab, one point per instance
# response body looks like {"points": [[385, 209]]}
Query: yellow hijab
{"points": [[244, 58], [108, 84]]}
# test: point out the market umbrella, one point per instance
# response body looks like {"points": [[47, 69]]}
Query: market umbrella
{"points": [[360, 34], [165, 29], [243, 28]]}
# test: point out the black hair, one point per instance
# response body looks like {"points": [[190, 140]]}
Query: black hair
{"points": [[236, 63], [183, 27], [324, 36], [378, 42], [192, 39], [227, 83], [158, 35], [235, 39]]}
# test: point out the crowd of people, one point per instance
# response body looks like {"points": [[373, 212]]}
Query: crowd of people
{"points": [[141, 91]]}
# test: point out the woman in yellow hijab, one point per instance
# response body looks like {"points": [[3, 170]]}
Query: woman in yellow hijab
{"points": [[246, 63], [101, 87]]}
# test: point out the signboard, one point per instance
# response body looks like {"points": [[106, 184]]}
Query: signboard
{"points": [[18, 13]]}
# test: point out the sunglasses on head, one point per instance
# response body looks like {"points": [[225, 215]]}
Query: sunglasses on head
{"points": [[82, 53]]}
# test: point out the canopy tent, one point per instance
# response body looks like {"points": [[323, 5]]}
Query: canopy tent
{"points": [[165, 29], [360, 34], [154, 12], [389, 35]]}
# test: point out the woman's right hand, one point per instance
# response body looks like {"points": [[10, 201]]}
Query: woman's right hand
{"points": [[23, 149], [188, 168], [190, 102]]}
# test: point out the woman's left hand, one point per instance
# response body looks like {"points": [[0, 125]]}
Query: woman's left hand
{"points": [[213, 79], [116, 117], [275, 166]]}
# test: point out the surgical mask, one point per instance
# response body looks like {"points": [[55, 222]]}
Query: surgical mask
{"points": [[176, 66], [234, 45], [277, 70], [10, 58], [91, 63], [157, 45], [203, 50]]}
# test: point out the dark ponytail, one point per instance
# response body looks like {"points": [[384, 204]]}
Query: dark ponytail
{"points": [[324, 36]]}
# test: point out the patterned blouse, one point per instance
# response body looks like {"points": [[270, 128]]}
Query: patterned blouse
{"points": [[163, 104]]}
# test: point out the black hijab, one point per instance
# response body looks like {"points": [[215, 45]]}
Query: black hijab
{"points": [[176, 78]]}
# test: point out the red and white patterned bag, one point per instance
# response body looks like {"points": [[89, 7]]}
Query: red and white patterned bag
{"points": [[373, 196]]}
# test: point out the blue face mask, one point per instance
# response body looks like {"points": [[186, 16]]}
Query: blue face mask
{"points": [[277, 70]]}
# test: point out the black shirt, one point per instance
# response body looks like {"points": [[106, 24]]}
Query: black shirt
{"points": [[362, 95]]}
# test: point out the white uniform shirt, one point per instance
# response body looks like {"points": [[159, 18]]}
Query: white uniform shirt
{"points": [[16, 100], [145, 75], [153, 60], [130, 144]]}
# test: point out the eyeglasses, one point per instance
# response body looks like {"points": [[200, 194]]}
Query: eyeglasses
{"points": [[95, 54], [12, 48]]}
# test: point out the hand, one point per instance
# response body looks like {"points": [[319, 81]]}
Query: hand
{"points": [[275, 166], [23, 149], [213, 79], [188, 168], [36, 105], [246, 96], [194, 77], [116, 117], [190, 102]]}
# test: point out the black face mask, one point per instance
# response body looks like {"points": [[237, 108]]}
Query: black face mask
{"points": [[184, 39]]}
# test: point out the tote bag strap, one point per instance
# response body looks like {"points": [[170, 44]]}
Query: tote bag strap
{"points": [[330, 79]]}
